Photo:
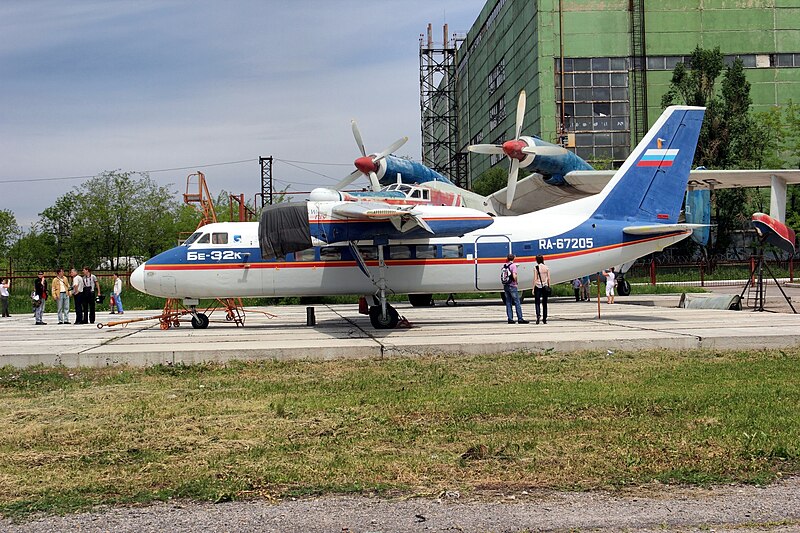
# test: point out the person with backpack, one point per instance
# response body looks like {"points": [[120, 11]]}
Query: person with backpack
{"points": [[508, 276]]}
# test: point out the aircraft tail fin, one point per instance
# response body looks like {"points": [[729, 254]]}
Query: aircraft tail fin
{"points": [[650, 185]]}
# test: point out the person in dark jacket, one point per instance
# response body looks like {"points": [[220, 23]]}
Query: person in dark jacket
{"points": [[91, 290], [40, 290]]}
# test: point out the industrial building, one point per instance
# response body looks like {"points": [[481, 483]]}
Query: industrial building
{"points": [[594, 71]]}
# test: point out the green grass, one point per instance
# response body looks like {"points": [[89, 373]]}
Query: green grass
{"points": [[73, 439]]}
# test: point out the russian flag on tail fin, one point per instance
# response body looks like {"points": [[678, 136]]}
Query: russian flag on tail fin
{"points": [[650, 185]]}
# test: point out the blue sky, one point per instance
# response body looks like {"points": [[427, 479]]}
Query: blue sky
{"points": [[88, 86]]}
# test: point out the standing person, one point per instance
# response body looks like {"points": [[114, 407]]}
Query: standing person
{"points": [[611, 282], [576, 287], [60, 289], [77, 293], [4, 296], [116, 292], [541, 287], [91, 290], [585, 284], [508, 275], [40, 289]]}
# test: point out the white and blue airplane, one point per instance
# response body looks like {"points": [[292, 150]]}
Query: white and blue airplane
{"points": [[373, 248]]}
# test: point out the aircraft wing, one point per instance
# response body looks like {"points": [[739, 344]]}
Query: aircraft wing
{"points": [[402, 217], [657, 229], [728, 179], [534, 192]]}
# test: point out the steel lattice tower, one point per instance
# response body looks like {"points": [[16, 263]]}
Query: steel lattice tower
{"points": [[439, 108]]}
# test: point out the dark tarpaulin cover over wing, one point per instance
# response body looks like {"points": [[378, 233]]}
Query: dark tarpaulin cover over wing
{"points": [[283, 228]]}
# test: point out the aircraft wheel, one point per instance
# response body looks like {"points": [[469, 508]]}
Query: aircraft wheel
{"points": [[383, 322], [420, 300], [200, 321], [624, 287]]}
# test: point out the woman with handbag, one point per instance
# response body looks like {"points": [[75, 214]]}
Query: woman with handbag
{"points": [[541, 287]]}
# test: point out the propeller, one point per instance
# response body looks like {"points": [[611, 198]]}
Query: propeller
{"points": [[368, 164], [516, 150]]}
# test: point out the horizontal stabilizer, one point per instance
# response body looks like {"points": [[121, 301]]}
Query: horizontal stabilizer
{"points": [[658, 229]]}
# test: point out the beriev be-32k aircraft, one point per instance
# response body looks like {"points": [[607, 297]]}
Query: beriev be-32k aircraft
{"points": [[374, 248]]}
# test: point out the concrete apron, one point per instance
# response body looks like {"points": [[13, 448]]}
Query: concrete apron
{"points": [[470, 327]]}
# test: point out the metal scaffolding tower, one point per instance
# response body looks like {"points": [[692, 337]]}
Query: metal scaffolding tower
{"points": [[638, 77], [439, 108], [266, 180]]}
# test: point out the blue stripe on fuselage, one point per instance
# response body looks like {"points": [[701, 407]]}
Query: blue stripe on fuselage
{"points": [[574, 241]]}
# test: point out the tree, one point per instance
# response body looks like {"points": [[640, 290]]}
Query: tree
{"points": [[494, 179], [730, 136], [59, 221], [9, 231], [116, 214], [490, 181]]}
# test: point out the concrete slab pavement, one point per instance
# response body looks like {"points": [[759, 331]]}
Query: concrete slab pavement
{"points": [[471, 327]]}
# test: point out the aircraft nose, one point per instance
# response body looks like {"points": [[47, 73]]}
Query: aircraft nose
{"points": [[137, 278]]}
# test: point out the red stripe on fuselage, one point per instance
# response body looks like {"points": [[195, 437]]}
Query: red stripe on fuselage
{"points": [[395, 262]]}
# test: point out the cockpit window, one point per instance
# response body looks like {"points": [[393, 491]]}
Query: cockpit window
{"points": [[193, 237], [219, 238], [204, 239]]}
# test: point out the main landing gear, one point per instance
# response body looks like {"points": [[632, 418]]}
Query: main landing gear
{"points": [[623, 286], [381, 314]]}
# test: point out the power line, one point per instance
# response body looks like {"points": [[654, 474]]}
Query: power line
{"points": [[289, 162], [315, 163], [31, 180]]}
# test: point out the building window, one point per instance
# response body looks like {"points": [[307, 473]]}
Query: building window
{"points": [[497, 113], [596, 107], [477, 138], [497, 76], [496, 158]]}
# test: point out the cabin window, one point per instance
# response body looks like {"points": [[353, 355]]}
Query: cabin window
{"points": [[305, 255], [219, 238], [426, 251], [204, 239], [426, 194], [193, 237], [330, 253], [368, 252], [452, 250], [416, 193], [400, 252]]}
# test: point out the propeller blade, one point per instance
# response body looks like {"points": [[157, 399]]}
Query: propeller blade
{"points": [[512, 183], [392, 147], [348, 180], [485, 148], [520, 112], [373, 179], [544, 150], [359, 140]]}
